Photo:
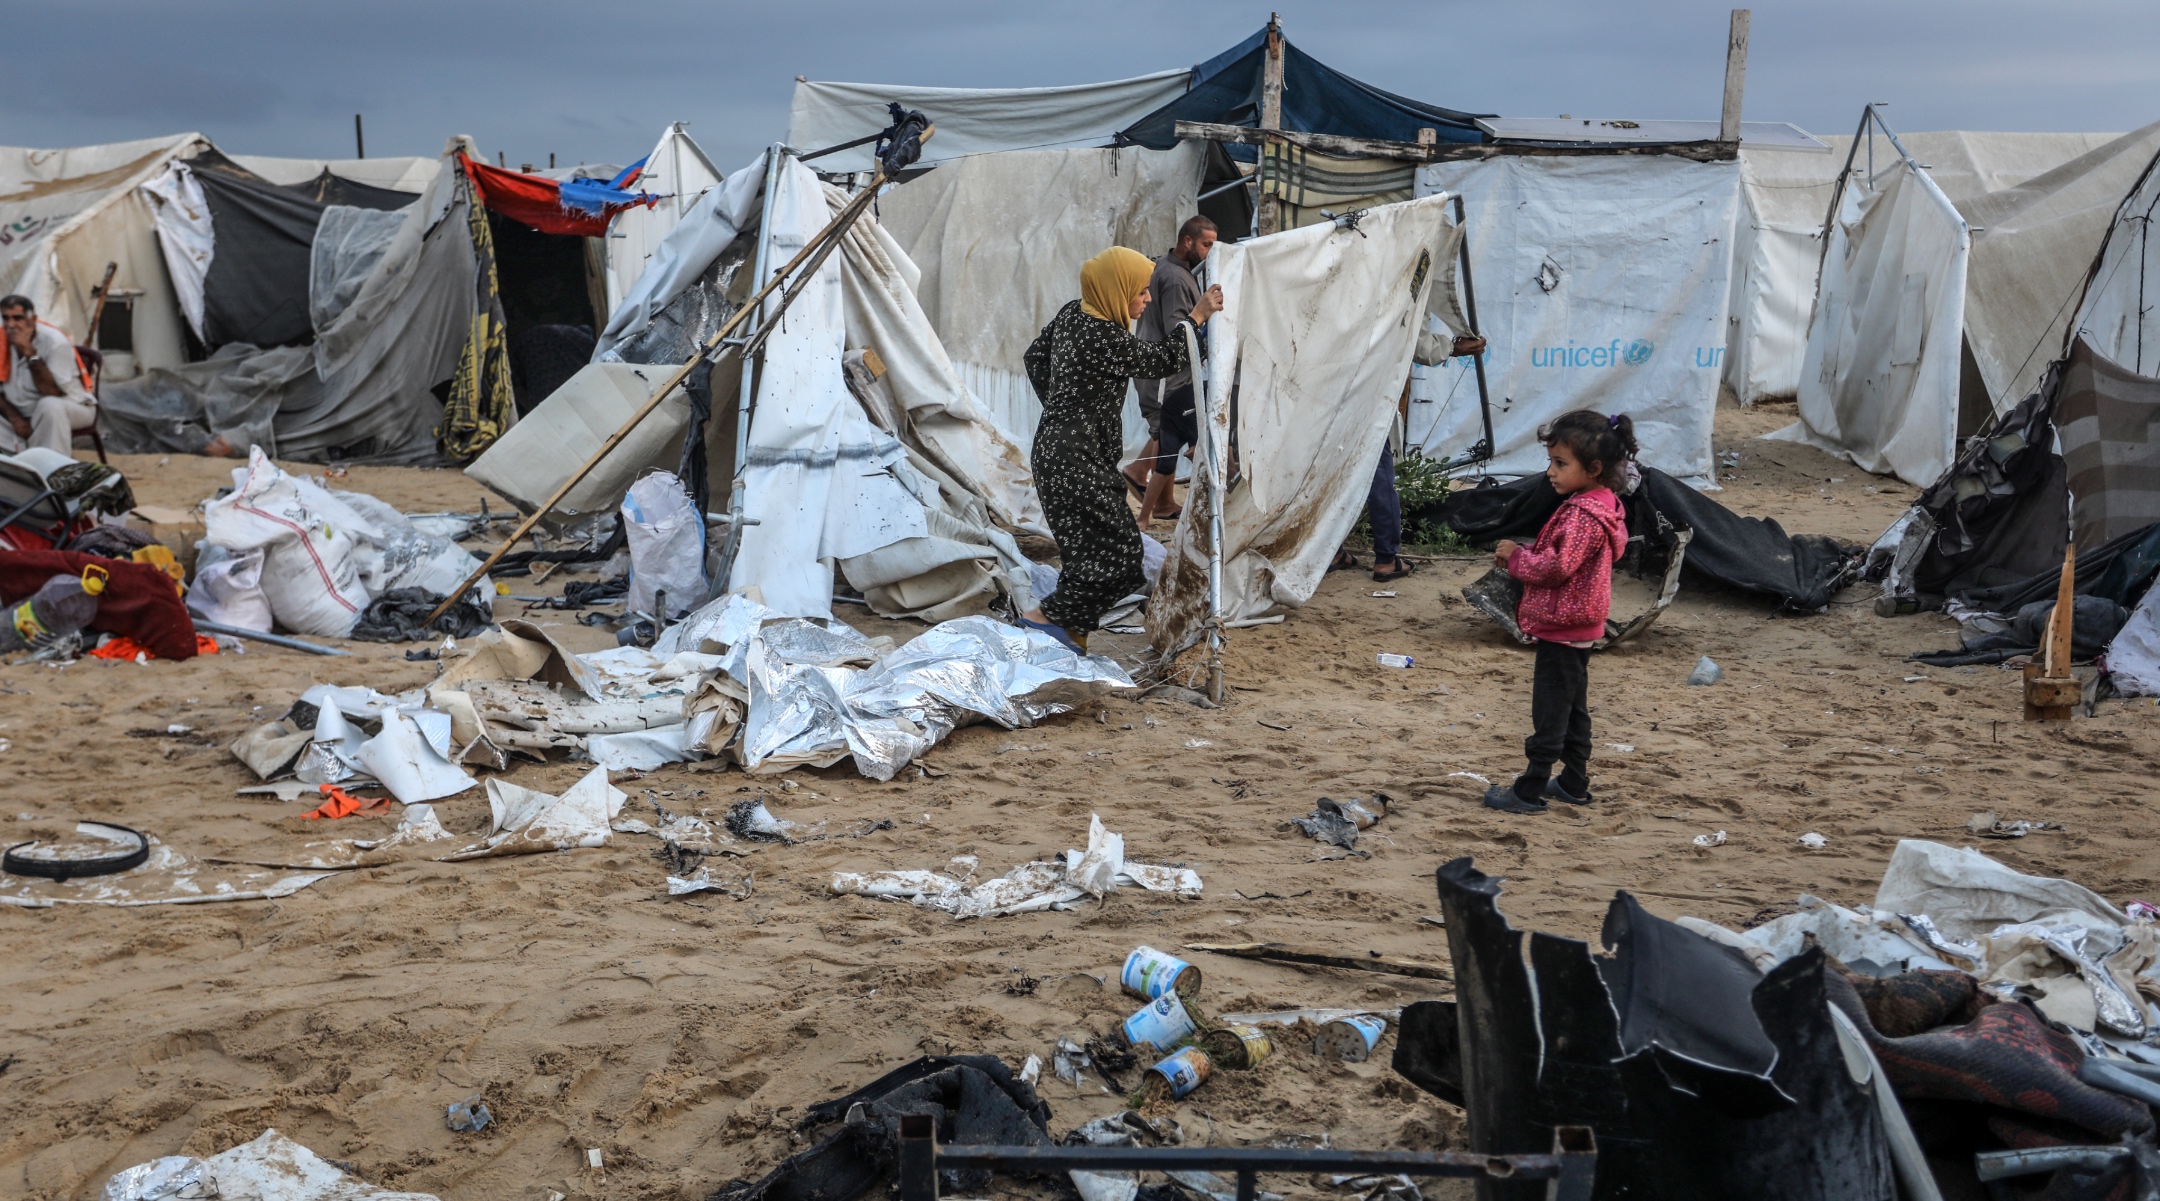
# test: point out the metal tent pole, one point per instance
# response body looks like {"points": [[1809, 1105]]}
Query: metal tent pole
{"points": [[746, 395]]}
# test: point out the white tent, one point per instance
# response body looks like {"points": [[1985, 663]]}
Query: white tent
{"points": [[1777, 245], [678, 172], [1000, 238], [866, 456], [399, 173], [1600, 284], [974, 121], [1935, 312], [1316, 333]]}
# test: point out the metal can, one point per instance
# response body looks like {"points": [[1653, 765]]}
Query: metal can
{"points": [[1182, 1072], [1161, 1023], [1238, 1047], [1149, 974], [1350, 1040]]}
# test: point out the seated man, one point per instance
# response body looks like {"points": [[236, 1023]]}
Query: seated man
{"points": [[44, 387]]}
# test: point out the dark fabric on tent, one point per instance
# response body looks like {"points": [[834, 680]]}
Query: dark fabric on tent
{"points": [[2120, 571], [256, 290], [1754, 554], [1316, 98]]}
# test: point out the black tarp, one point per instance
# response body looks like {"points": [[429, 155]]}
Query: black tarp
{"points": [[1753, 554], [256, 290], [1316, 98]]}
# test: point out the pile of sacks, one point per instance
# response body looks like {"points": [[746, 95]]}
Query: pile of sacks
{"points": [[287, 552]]}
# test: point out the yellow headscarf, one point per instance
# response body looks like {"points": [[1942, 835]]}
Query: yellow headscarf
{"points": [[1110, 280]]}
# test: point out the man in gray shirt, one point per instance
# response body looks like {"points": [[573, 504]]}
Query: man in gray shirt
{"points": [[1167, 405]]}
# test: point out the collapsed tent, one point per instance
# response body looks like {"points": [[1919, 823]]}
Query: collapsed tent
{"points": [[1934, 315], [865, 458], [1602, 285], [1307, 362], [676, 173], [972, 121], [1777, 242]]}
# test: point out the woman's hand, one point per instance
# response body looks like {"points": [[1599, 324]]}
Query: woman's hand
{"points": [[1210, 304], [1503, 552]]}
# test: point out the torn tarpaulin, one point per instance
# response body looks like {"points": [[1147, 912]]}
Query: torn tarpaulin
{"points": [[1042, 884], [974, 1099], [269, 1168]]}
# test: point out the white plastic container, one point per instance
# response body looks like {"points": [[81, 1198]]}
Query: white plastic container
{"points": [[1396, 661]]}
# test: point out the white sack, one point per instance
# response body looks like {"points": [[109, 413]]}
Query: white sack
{"points": [[1879, 385], [1601, 284], [311, 572], [666, 535], [228, 590]]}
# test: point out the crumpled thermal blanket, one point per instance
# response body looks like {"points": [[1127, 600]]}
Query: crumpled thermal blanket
{"points": [[1042, 884]]}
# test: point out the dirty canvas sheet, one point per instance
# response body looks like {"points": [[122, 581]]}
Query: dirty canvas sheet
{"points": [[166, 878]]}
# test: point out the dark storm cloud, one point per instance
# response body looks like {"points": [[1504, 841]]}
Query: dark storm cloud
{"points": [[593, 82]]}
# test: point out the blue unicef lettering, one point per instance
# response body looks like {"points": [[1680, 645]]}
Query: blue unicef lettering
{"points": [[1611, 354], [1709, 356]]}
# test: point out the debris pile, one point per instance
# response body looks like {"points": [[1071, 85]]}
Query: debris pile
{"points": [[1063, 883]]}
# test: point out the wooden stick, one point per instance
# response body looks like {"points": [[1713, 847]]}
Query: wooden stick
{"points": [[1322, 957], [1735, 77], [2051, 691], [2060, 621], [829, 235], [97, 311]]}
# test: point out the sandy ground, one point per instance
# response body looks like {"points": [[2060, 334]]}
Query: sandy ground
{"points": [[684, 1037]]}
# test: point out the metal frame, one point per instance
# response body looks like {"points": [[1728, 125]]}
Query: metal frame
{"points": [[1569, 1170], [752, 365], [1483, 451]]}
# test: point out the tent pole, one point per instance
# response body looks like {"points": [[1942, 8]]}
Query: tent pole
{"points": [[1215, 516], [1483, 450], [718, 346], [746, 396]]}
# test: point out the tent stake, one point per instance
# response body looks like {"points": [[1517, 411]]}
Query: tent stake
{"points": [[719, 344], [2051, 691]]}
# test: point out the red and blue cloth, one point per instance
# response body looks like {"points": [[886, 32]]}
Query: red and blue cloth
{"points": [[578, 207]]}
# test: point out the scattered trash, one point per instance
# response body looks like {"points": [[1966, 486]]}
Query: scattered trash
{"points": [[1706, 841], [162, 877], [341, 804], [63, 861], [270, 1168], [1370, 961], [1814, 842], [1470, 775], [1338, 822], [1987, 825], [1237, 1046], [1148, 974], [1396, 660], [1706, 672], [1349, 1040], [469, 1116], [1194, 744], [2144, 913], [1031, 1071], [1162, 1023], [1180, 1073], [1042, 884], [704, 880], [1385, 594], [1914, 679], [1068, 1062], [1622, 747]]}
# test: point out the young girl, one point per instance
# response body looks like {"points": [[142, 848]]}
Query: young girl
{"points": [[1567, 592]]}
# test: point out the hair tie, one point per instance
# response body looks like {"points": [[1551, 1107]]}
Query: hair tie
{"points": [[1613, 422]]}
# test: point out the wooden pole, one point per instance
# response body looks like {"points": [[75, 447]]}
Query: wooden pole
{"points": [[97, 311], [2052, 692], [1271, 84], [359, 138], [816, 248], [1735, 77]]}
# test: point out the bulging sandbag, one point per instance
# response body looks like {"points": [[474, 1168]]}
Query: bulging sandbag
{"points": [[311, 543]]}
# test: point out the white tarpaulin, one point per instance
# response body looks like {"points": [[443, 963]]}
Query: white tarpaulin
{"points": [[1317, 330], [1601, 284], [2118, 317], [974, 120], [676, 171], [1000, 238], [1879, 385]]}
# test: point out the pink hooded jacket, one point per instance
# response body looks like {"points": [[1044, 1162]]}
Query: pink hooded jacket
{"points": [[1567, 572]]}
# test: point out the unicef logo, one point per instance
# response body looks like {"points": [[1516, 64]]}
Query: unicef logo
{"points": [[1638, 352]]}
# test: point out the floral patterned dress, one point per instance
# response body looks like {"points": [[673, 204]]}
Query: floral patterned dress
{"points": [[1080, 366]]}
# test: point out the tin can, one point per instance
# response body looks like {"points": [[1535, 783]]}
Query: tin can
{"points": [[1349, 1040], [1182, 1072], [1149, 974], [1237, 1047], [1161, 1023]]}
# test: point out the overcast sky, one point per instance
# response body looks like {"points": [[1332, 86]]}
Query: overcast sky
{"points": [[597, 82]]}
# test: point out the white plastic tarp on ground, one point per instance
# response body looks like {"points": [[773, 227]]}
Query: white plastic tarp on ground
{"points": [[973, 121], [1000, 238], [676, 171], [1317, 330], [1601, 284], [1879, 385]]}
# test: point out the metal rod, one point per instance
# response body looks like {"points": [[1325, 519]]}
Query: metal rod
{"points": [[2001, 1165], [1209, 442], [1240, 181], [291, 644], [716, 345], [746, 395], [1244, 1160], [918, 1157], [1484, 395]]}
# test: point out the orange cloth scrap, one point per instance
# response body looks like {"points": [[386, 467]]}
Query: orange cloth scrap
{"points": [[341, 804], [123, 647]]}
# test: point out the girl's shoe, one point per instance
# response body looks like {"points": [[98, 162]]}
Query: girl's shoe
{"points": [[1505, 799], [1058, 632], [1557, 793]]}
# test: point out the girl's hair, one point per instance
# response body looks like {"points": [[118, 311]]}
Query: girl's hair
{"points": [[1595, 438]]}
